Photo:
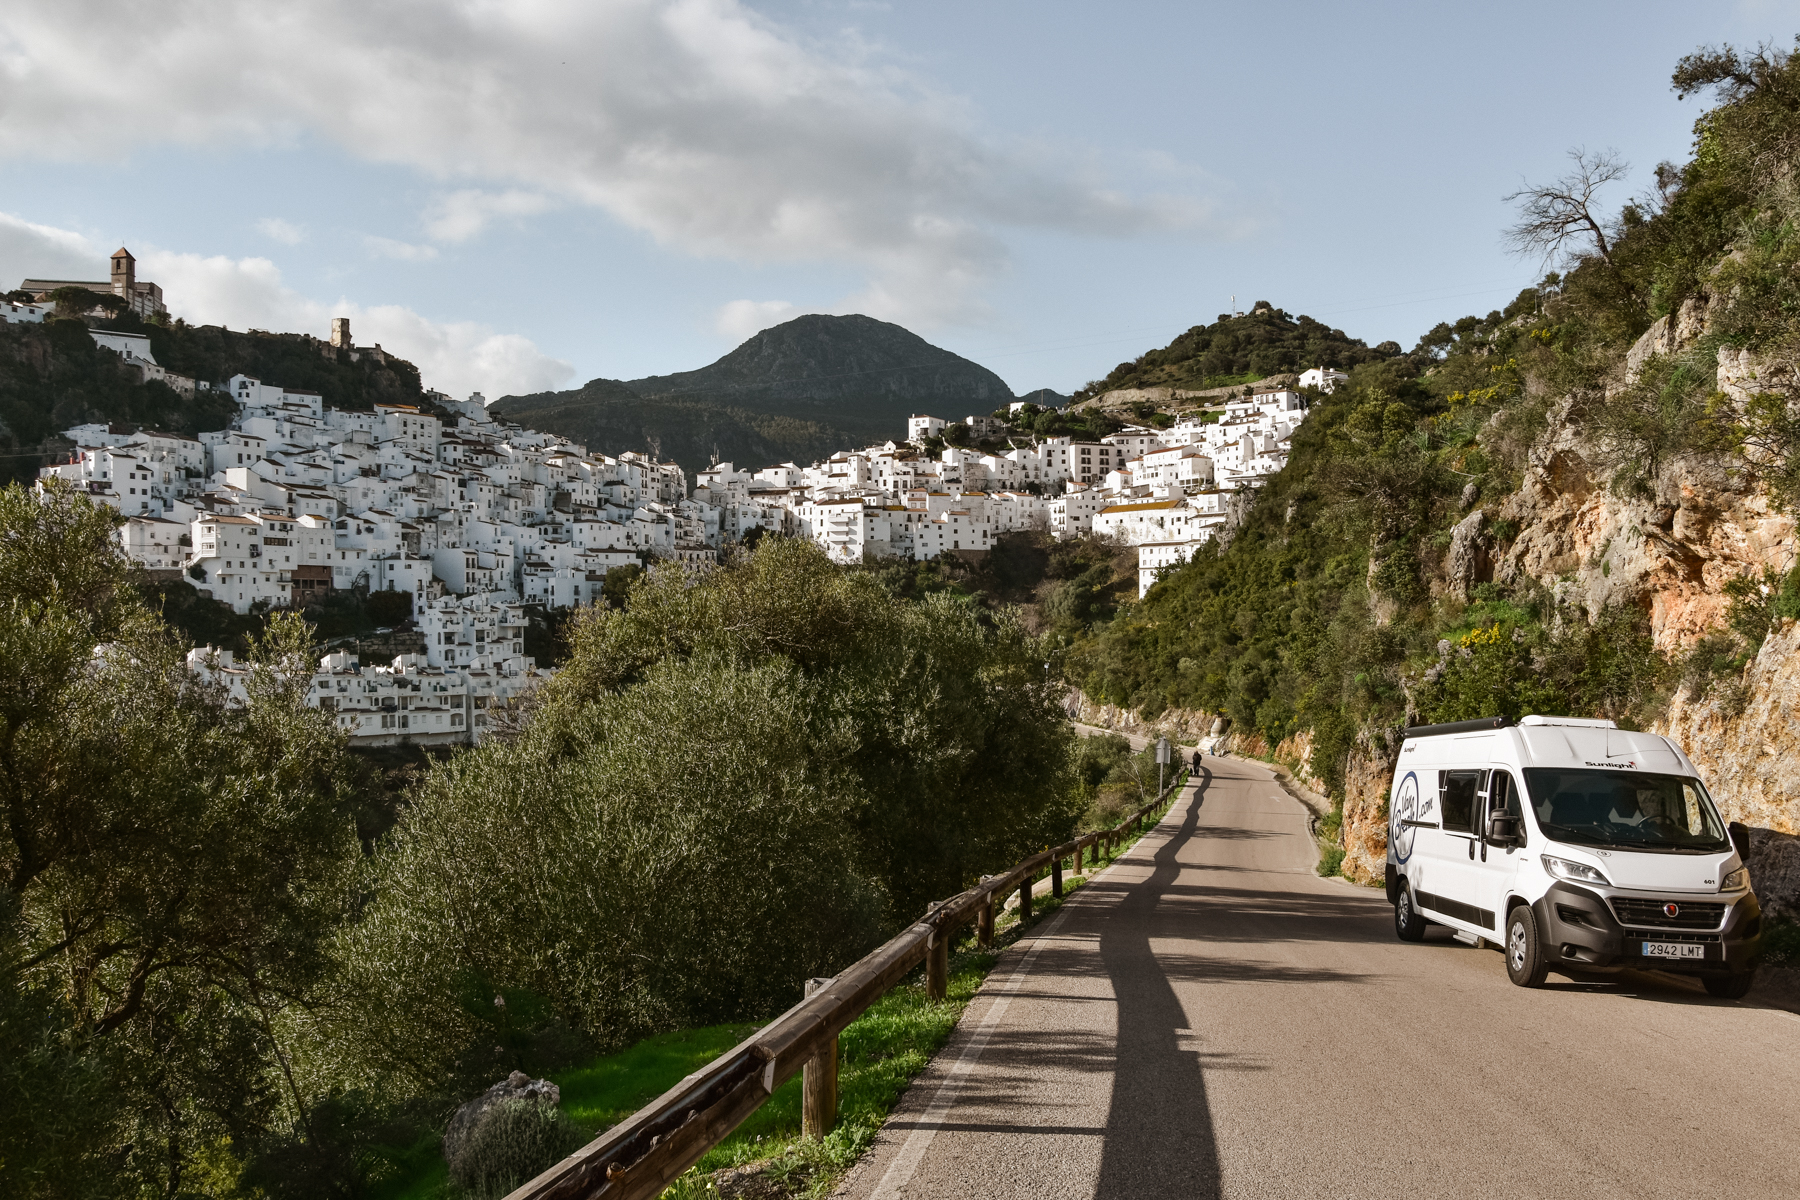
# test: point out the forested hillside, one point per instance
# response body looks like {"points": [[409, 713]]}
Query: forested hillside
{"points": [[1240, 349], [53, 376], [1578, 504], [610, 418]]}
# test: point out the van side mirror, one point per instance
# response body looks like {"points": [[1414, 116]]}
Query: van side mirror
{"points": [[1503, 830], [1739, 833]]}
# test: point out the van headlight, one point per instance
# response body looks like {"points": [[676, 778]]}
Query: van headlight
{"points": [[1574, 872], [1739, 878]]}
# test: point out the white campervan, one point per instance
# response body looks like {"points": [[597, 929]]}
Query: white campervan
{"points": [[1574, 844]]}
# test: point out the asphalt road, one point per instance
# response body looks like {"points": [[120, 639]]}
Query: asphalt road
{"points": [[1209, 1018]]}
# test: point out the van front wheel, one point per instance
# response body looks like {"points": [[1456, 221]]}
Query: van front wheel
{"points": [[1525, 963], [1409, 926]]}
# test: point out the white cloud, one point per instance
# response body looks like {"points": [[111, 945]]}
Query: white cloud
{"points": [[285, 232], [458, 357], [741, 319], [461, 215], [44, 252], [697, 122], [404, 251]]}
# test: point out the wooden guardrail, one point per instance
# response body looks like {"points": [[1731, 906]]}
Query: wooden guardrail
{"points": [[640, 1156]]}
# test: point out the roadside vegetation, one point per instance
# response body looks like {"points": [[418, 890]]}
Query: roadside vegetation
{"points": [[879, 1056]]}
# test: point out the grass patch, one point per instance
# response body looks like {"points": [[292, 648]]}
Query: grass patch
{"points": [[1331, 861]]}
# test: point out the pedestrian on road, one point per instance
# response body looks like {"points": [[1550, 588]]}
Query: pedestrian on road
{"points": [[1196, 760]]}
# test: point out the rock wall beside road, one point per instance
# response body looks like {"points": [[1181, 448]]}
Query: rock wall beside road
{"points": [[1367, 773], [1183, 726], [1744, 737]]}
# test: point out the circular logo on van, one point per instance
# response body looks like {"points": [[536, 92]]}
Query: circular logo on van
{"points": [[1404, 808], [1671, 910]]}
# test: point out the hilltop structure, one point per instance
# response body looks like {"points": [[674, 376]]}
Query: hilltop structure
{"points": [[141, 297]]}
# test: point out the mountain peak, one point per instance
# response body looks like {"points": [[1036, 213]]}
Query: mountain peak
{"points": [[851, 358]]}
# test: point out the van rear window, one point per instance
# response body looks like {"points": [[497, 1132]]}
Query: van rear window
{"points": [[1633, 809]]}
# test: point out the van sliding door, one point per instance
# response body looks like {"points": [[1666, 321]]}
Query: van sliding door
{"points": [[1460, 878]]}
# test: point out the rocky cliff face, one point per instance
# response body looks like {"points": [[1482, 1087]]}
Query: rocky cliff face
{"points": [[1745, 739], [1183, 726], [1670, 553], [1367, 774]]}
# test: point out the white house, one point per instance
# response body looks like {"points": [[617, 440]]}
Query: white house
{"points": [[24, 312], [1158, 520], [919, 428], [1325, 379], [1156, 557], [1072, 513], [154, 543]]}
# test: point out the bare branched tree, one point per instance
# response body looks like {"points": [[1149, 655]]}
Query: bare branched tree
{"points": [[1551, 214]]}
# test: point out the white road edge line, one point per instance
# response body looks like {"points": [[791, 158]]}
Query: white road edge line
{"points": [[912, 1151]]}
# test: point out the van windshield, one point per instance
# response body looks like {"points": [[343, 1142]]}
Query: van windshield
{"points": [[1631, 809]]}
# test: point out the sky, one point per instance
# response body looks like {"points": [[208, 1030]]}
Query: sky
{"points": [[521, 195]]}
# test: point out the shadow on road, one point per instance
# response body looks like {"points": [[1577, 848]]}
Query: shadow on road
{"points": [[1159, 1131]]}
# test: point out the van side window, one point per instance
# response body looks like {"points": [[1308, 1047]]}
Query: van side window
{"points": [[1457, 800]]}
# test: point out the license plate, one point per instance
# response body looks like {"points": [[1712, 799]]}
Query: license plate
{"points": [[1673, 950]]}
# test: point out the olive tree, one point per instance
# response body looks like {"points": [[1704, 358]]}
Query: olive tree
{"points": [[172, 862]]}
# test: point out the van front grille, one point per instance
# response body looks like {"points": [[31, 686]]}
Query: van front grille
{"points": [[1650, 914]]}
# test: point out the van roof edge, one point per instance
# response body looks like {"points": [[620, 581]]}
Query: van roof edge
{"points": [[1571, 722], [1475, 726]]}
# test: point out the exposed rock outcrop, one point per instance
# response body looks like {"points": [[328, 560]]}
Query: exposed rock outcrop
{"points": [[1184, 726], [468, 1118], [1744, 736], [1469, 561], [1669, 554], [1367, 773]]}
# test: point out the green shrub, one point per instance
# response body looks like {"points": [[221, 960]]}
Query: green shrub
{"points": [[1781, 942], [1331, 861]]}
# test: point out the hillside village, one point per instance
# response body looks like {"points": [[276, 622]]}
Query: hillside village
{"points": [[477, 519]]}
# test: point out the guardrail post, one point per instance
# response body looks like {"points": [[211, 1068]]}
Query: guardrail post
{"points": [[819, 1084], [937, 965], [984, 923], [1077, 863], [1056, 878], [1025, 901]]}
